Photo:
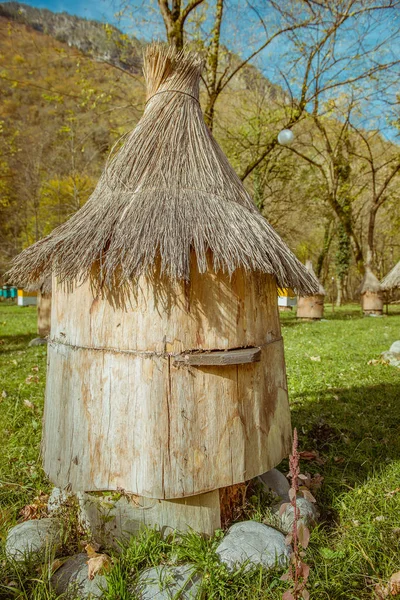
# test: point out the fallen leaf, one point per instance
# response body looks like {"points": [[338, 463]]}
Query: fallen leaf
{"points": [[91, 549], [394, 584], [35, 368], [392, 493], [288, 596], [4, 394], [32, 379], [315, 358], [305, 594], [2, 342], [311, 455], [339, 459], [100, 562], [29, 404]]}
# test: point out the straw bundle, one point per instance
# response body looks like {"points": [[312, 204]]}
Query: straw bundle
{"points": [[168, 191], [321, 290], [392, 279], [370, 283]]}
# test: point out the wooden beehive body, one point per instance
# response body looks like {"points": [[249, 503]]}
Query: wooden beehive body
{"points": [[372, 303], [43, 313], [310, 307], [122, 411]]}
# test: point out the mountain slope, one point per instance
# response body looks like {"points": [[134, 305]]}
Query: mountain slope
{"points": [[99, 40]]}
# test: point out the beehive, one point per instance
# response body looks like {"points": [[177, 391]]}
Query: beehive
{"points": [[371, 294], [166, 375], [311, 307]]}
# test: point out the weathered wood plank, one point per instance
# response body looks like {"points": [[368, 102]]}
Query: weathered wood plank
{"points": [[227, 357], [138, 422]]}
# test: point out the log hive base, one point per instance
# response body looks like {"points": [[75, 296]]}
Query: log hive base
{"points": [[310, 307], [372, 303]]}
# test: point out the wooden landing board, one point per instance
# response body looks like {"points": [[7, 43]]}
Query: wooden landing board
{"points": [[226, 357]]}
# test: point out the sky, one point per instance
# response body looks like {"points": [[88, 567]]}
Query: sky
{"points": [[144, 21]]}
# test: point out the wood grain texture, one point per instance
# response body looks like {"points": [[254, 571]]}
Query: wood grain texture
{"points": [[43, 313], [372, 303], [120, 414], [111, 521]]}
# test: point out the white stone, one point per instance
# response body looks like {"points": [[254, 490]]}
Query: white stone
{"points": [[395, 347], [253, 543], [71, 580], [167, 583], [32, 537], [392, 358], [308, 514], [276, 482], [38, 342]]}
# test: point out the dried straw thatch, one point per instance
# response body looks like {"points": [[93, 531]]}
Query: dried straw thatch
{"points": [[370, 283], [321, 290], [169, 190], [392, 280]]}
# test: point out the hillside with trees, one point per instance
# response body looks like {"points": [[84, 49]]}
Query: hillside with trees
{"points": [[70, 88]]}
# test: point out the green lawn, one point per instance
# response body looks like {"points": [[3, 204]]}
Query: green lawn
{"points": [[345, 409]]}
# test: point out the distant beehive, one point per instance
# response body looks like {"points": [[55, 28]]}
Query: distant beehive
{"points": [[166, 375], [371, 294], [26, 298], [286, 299], [311, 307]]}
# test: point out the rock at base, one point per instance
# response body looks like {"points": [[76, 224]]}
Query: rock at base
{"points": [[38, 342], [167, 583], [395, 348], [253, 543], [71, 579], [392, 358], [308, 514], [276, 482], [32, 537]]}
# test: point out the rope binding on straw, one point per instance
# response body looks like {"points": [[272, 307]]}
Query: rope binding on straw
{"points": [[174, 92]]}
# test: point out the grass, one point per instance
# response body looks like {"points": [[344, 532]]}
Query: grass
{"points": [[346, 410]]}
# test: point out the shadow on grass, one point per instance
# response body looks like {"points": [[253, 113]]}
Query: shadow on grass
{"points": [[13, 343], [355, 432]]}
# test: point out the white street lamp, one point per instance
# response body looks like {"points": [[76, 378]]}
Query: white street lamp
{"points": [[286, 137]]}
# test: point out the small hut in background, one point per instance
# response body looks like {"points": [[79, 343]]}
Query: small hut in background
{"points": [[371, 294], [311, 307], [392, 280], [166, 376]]}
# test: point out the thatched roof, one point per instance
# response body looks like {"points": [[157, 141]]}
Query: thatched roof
{"points": [[392, 279], [169, 190], [321, 290], [370, 283]]}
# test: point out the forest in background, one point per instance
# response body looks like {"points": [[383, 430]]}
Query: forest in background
{"points": [[70, 88]]}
